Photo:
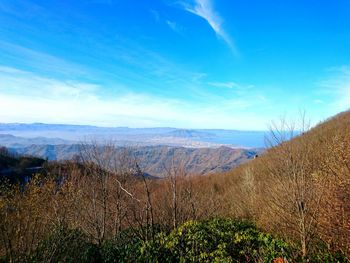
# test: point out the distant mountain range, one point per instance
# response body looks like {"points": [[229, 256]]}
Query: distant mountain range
{"points": [[197, 151], [39, 133], [156, 160]]}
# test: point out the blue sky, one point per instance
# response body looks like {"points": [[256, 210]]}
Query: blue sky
{"points": [[182, 63]]}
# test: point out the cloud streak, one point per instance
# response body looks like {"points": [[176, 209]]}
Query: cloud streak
{"points": [[27, 97], [338, 87], [39, 60], [205, 10], [174, 26], [229, 85]]}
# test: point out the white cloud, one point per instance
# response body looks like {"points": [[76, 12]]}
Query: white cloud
{"points": [[338, 87], [14, 81], [174, 26], [26, 97], [170, 23], [39, 60], [205, 10], [318, 101], [229, 85], [155, 15]]}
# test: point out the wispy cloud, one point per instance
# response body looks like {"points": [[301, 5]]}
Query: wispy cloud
{"points": [[205, 10], [136, 64], [229, 85], [155, 14], [318, 101], [19, 82], [174, 26], [164, 20], [237, 88], [20, 8], [27, 97], [338, 87], [38, 60]]}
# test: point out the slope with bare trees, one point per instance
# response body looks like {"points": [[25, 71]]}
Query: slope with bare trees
{"points": [[298, 190]]}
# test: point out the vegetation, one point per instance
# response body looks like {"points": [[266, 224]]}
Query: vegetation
{"points": [[101, 208], [215, 240], [15, 169]]}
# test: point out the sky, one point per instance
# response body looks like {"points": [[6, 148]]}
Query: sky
{"points": [[225, 64]]}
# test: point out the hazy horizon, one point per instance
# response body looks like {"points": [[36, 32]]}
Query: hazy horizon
{"points": [[126, 127]]}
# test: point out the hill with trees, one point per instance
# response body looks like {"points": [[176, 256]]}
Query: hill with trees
{"points": [[155, 159], [291, 204], [18, 169]]}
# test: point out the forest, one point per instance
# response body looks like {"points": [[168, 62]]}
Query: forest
{"points": [[290, 204]]}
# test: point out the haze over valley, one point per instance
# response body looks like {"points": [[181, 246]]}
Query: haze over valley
{"points": [[26, 134], [197, 151]]}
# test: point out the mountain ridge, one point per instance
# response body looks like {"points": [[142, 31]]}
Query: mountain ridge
{"points": [[155, 160], [142, 136]]}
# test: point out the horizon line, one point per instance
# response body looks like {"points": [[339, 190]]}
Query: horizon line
{"points": [[126, 127]]}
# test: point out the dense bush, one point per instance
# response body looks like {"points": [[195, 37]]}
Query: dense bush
{"points": [[217, 240], [65, 245], [123, 248]]}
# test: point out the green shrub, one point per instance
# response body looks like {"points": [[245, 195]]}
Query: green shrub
{"points": [[123, 248], [65, 245], [320, 252], [217, 240]]}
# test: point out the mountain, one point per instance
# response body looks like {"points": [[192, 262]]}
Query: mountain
{"points": [[155, 160], [198, 151], [194, 161], [190, 134], [9, 140], [299, 188], [17, 168], [72, 134]]}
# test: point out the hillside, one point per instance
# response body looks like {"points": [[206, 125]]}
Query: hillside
{"points": [[17, 168], [291, 203], [155, 160], [299, 189], [9, 140]]}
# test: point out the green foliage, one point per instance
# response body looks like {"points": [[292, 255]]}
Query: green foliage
{"points": [[15, 169], [217, 240], [321, 253], [123, 248], [65, 245]]}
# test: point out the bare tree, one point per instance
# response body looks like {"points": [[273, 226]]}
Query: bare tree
{"points": [[108, 172], [173, 172], [293, 195]]}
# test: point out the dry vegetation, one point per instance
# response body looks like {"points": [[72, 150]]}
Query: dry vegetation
{"points": [[298, 190]]}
